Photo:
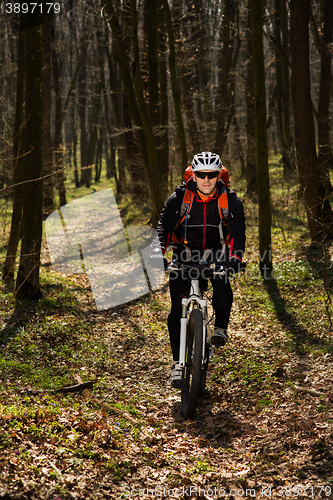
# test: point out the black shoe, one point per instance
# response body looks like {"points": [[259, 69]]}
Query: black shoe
{"points": [[220, 337]]}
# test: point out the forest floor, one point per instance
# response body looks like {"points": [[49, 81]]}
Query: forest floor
{"points": [[263, 430]]}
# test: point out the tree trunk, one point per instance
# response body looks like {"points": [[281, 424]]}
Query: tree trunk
{"points": [[47, 141], [317, 207], [129, 141], [175, 89], [187, 98], [27, 282], [195, 54], [164, 103], [324, 149], [282, 87], [19, 160], [106, 151], [146, 121], [74, 137], [225, 64], [98, 161], [157, 83], [231, 98], [288, 152], [60, 178], [250, 164], [142, 127], [239, 144], [82, 103], [317, 40], [187, 69], [201, 51], [151, 34], [93, 136], [114, 100], [265, 255], [278, 74]]}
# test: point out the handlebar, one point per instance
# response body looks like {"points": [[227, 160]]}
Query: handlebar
{"points": [[204, 269]]}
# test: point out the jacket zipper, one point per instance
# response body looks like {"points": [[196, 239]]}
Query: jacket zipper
{"points": [[204, 226]]}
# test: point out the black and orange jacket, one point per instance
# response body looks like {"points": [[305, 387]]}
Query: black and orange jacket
{"points": [[203, 221]]}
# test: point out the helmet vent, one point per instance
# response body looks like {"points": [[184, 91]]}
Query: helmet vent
{"points": [[206, 161]]}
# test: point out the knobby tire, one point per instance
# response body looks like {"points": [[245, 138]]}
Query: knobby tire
{"points": [[192, 372], [204, 369]]}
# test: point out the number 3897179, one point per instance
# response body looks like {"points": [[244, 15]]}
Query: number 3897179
{"points": [[25, 8]]}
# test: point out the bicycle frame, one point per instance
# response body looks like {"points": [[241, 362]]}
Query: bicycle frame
{"points": [[197, 302], [194, 298], [195, 348]]}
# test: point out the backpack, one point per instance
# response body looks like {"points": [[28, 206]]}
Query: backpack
{"points": [[223, 211]]}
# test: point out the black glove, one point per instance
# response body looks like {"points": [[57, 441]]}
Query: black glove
{"points": [[236, 265]]}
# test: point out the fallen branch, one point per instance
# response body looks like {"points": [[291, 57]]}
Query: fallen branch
{"points": [[308, 391], [85, 393], [104, 406], [78, 387]]}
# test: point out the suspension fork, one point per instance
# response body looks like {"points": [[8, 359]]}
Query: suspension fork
{"points": [[197, 302]]}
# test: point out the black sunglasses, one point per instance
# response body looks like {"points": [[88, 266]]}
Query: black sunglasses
{"points": [[210, 175]]}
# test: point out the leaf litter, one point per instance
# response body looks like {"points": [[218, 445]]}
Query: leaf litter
{"points": [[264, 427]]}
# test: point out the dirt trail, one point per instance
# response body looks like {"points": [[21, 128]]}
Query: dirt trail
{"points": [[253, 434]]}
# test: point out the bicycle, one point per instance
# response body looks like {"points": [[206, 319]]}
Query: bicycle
{"points": [[195, 349]]}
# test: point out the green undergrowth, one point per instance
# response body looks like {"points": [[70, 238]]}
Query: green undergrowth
{"points": [[43, 343], [279, 328]]}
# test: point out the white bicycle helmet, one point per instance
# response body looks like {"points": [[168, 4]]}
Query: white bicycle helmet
{"points": [[206, 161]]}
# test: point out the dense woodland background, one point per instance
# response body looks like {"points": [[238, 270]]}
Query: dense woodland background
{"points": [[130, 90], [121, 94]]}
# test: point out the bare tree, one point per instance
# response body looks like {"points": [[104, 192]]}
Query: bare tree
{"points": [[47, 100], [225, 64], [27, 281], [317, 206], [19, 160], [265, 256], [175, 87], [136, 103], [250, 167], [282, 64], [324, 149]]}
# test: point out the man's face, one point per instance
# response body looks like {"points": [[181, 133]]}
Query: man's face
{"points": [[206, 186]]}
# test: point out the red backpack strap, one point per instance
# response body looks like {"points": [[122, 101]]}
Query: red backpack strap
{"points": [[184, 210], [223, 211]]}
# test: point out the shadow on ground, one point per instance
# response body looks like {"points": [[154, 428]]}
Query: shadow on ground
{"points": [[23, 312], [289, 321]]}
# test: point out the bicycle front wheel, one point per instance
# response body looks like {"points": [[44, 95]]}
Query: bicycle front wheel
{"points": [[192, 371], [204, 369]]}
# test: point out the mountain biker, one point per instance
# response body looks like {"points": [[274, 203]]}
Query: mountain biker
{"points": [[200, 233]]}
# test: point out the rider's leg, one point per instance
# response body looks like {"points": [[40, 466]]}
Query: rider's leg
{"points": [[222, 302], [179, 288]]}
